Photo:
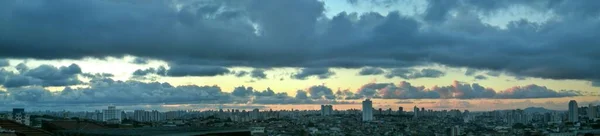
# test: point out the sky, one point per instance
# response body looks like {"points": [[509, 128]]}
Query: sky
{"points": [[206, 54]]}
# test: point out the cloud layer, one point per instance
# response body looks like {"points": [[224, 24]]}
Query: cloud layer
{"points": [[271, 34]]}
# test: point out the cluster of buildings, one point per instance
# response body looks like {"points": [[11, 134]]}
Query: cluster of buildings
{"points": [[329, 121]]}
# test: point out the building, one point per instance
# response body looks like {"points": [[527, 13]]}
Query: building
{"points": [[573, 113], [416, 112], [18, 115], [367, 110], [112, 115], [255, 114], [326, 110], [400, 110], [592, 111], [453, 131]]}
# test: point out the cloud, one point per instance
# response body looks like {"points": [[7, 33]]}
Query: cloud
{"points": [[370, 71], [196, 70], [97, 75], [250, 33], [4, 63], [301, 94], [140, 61], [535, 91], [258, 74], [414, 74], [105, 91], [404, 102], [470, 72], [43, 75], [595, 83], [370, 89], [320, 92], [493, 73], [480, 77], [458, 90], [321, 73], [241, 73], [242, 91]]}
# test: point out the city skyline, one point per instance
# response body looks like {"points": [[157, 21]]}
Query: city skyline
{"points": [[478, 56]]}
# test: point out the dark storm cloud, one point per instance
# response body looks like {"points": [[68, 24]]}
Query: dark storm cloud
{"points": [[370, 71], [407, 73], [321, 73], [258, 74], [43, 75], [221, 33], [4, 63]]}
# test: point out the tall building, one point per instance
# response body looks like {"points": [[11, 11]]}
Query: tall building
{"points": [[573, 111], [112, 115], [592, 111], [255, 114], [416, 112], [18, 115], [139, 115], [367, 110], [326, 110]]}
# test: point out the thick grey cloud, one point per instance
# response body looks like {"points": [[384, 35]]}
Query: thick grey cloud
{"points": [[222, 33], [258, 74], [370, 89], [301, 94], [43, 75], [242, 91], [320, 92], [4, 63], [407, 73], [105, 91], [140, 61], [321, 73], [370, 71]]}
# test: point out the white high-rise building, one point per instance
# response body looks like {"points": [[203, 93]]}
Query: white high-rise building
{"points": [[573, 111], [367, 110], [112, 115], [592, 111]]}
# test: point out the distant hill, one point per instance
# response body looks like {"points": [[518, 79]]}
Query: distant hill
{"points": [[537, 109]]}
